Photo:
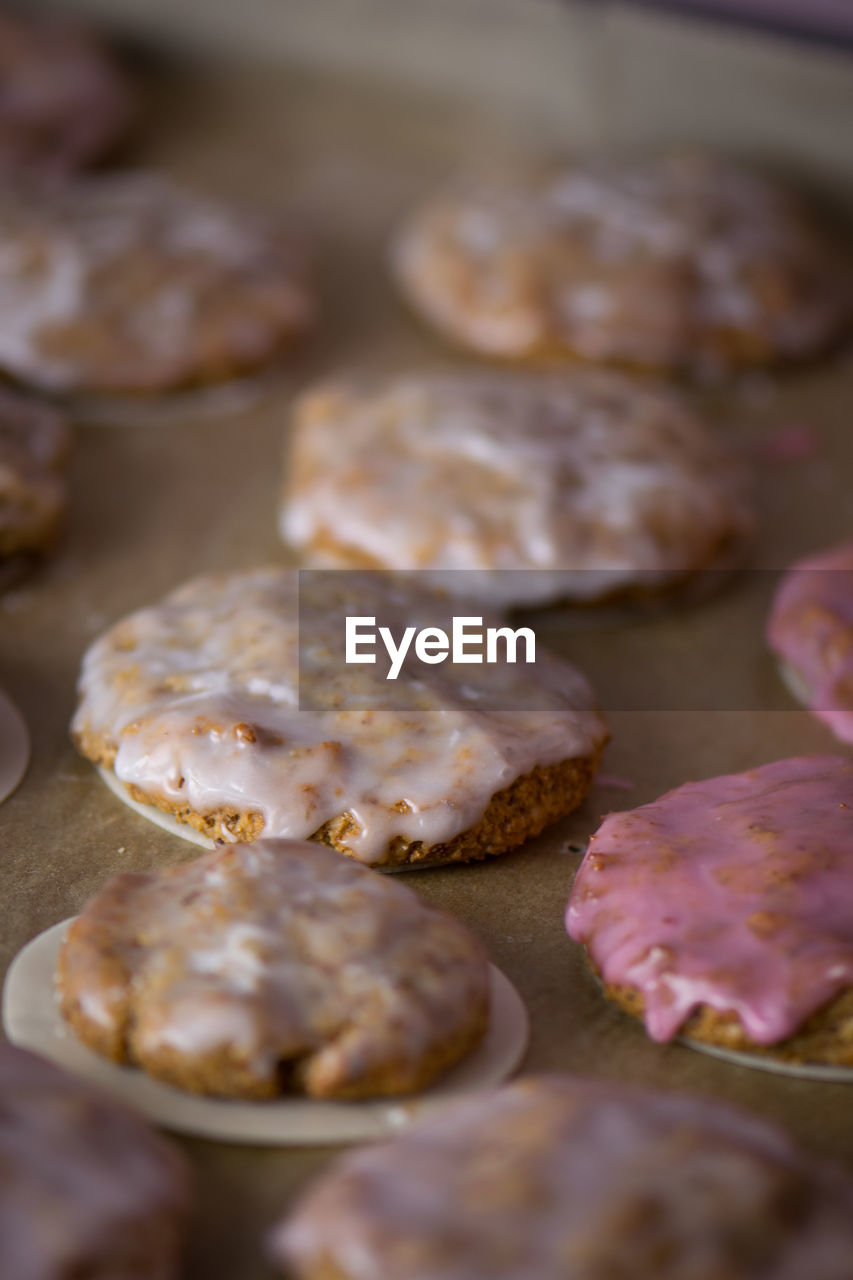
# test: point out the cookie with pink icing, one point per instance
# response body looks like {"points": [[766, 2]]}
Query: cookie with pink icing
{"points": [[523, 488], [724, 911], [86, 1187], [130, 284], [555, 1177], [811, 631], [65, 101], [274, 966], [683, 261]]}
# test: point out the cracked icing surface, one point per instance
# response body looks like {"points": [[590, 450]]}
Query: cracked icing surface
{"points": [[588, 483], [270, 962], [678, 261], [811, 629], [34, 444], [129, 283], [86, 1188], [194, 705], [734, 894], [554, 1177]]}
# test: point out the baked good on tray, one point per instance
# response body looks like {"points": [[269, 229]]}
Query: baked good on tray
{"points": [[204, 706], [65, 101], [34, 445], [86, 1187], [811, 631], [722, 911], [528, 488], [682, 261], [555, 1177], [277, 965], [131, 284]]}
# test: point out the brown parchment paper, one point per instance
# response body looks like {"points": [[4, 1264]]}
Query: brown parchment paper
{"points": [[340, 138]]}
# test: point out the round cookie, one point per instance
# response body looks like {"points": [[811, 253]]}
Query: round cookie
{"points": [[65, 101], [130, 284], [271, 966], [576, 487], [555, 1177], [722, 911], [86, 1188], [678, 262], [34, 445], [811, 631], [194, 704]]}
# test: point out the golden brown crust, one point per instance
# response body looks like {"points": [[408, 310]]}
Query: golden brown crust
{"points": [[826, 1038], [515, 814]]}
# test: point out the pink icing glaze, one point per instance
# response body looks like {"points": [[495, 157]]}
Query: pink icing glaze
{"points": [[735, 893], [811, 629]]}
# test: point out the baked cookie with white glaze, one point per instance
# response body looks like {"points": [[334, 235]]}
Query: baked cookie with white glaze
{"points": [[271, 966], [194, 705], [87, 1189], [724, 911], [65, 100], [677, 262], [578, 487], [811, 631], [34, 445], [556, 1177], [130, 284]]}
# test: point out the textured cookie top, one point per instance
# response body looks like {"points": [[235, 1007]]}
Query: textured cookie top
{"points": [[588, 483], [128, 283], [34, 442], [196, 700], [811, 629], [83, 1181], [735, 893], [64, 101], [556, 1177], [672, 261], [272, 958]]}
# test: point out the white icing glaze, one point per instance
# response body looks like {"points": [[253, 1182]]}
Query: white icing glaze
{"points": [[272, 952], [554, 1177], [173, 689], [584, 483], [31, 1019], [62, 247], [634, 260]]}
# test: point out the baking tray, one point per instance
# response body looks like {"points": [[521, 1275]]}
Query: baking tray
{"points": [[340, 130]]}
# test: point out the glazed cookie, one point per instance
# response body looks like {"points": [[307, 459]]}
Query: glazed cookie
{"points": [[722, 911], [811, 631], [34, 444], [274, 965], [129, 284], [680, 262], [588, 485], [555, 1177], [65, 102], [86, 1188], [194, 705]]}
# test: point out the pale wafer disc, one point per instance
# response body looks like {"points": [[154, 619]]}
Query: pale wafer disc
{"points": [[14, 746], [31, 1019], [153, 814]]}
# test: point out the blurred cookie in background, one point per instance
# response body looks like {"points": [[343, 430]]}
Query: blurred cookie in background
{"points": [[65, 102], [683, 262], [35, 441], [87, 1188], [579, 487], [129, 284]]}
